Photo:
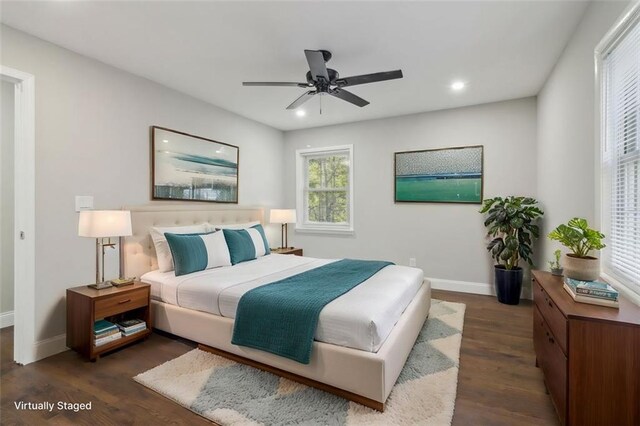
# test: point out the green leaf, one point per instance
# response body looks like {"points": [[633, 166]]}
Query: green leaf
{"points": [[493, 243], [497, 247], [489, 219], [511, 242], [517, 222], [579, 223], [506, 254]]}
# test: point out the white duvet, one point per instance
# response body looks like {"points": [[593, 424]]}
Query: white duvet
{"points": [[362, 318]]}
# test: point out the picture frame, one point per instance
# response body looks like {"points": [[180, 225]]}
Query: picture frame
{"points": [[186, 167], [443, 175]]}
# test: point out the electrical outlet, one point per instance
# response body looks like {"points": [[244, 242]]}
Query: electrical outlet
{"points": [[412, 261]]}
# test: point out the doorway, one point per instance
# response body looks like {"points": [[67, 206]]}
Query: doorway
{"points": [[7, 186], [20, 233]]}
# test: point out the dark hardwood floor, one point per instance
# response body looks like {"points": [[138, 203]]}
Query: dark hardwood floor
{"points": [[498, 381]]}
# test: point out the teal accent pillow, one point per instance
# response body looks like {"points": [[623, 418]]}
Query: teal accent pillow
{"points": [[188, 251], [260, 229], [240, 243]]}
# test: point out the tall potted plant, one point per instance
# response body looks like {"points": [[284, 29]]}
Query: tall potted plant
{"points": [[511, 224], [581, 240]]}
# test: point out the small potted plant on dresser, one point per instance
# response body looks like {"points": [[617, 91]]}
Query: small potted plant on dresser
{"points": [[554, 265], [511, 223], [581, 240]]}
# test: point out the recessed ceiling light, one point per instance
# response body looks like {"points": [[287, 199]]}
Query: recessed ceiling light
{"points": [[165, 140], [457, 85], [301, 113]]}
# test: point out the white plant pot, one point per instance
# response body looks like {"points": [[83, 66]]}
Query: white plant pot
{"points": [[581, 268]]}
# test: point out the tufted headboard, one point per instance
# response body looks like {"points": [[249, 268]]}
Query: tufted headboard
{"points": [[138, 255]]}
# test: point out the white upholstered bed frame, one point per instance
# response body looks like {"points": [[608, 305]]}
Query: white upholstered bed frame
{"points": [[361, 376]]}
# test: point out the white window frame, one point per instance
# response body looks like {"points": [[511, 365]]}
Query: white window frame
{"points": [[630, 17], [303, 225]]}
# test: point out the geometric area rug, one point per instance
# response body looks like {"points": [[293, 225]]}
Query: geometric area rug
{"points": [[230, 393]]}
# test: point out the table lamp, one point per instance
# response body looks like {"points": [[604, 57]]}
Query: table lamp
{"points": [[284, 217], [102, 225]]}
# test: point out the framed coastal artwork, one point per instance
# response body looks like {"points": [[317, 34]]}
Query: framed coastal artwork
{"points": [[447, 175], [192, 168]]}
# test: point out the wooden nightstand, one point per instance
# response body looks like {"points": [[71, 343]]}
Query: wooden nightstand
{"points": [[288, 250], [86, 305]]}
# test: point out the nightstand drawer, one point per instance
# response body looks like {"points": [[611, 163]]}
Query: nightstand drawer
{"points": [[119, 303]]}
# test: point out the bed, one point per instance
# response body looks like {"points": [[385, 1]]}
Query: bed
{"points": [[358, 353]]}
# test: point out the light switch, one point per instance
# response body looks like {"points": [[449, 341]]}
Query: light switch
{"points": [[84, 202]]}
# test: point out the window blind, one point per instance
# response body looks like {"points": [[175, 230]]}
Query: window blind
{"points": [[621, 159]]}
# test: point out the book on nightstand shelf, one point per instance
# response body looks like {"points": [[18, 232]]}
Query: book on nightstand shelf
{"points": [[108, 339], [131, 326], [589, 299], [102, 326], [105, 332]]}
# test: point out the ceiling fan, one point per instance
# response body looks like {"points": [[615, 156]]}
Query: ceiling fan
{"points": [[327, 81]]}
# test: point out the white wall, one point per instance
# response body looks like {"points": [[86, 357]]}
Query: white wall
{"points": [[446, 239], [6, 197], [92, 138], [567, 143]]}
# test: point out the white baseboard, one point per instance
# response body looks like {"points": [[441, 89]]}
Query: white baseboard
{"points": [[51, 346], [6, 319], [462, 286], [471, 287]]}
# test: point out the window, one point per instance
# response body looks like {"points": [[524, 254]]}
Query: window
{"points": [[324, 180], [620, 88]]}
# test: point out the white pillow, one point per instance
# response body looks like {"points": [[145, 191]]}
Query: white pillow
{"points": [[217, 250], [163, 253], [235, 225]]}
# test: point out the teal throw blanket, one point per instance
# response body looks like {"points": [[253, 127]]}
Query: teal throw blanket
{"points": [[281, 317]]}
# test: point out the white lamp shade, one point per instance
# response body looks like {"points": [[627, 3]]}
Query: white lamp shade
{"points": [[104, 223], [283, 216]]}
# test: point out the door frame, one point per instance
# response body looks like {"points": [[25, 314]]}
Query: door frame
{"points": [[24, 343]]}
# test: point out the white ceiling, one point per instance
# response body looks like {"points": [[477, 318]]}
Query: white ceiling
{"points": [[504, 50]]}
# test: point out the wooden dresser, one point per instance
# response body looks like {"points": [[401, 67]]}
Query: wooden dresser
{"points": [[590, 355]]}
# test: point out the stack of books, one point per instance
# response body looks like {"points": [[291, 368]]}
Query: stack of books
{"points": [[132, 326], [105, 332], [593, 292]]}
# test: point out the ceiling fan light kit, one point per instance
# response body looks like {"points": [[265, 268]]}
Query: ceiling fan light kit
{"points": [[326, 81]]}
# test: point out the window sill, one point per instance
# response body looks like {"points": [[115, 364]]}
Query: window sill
{"points": [[323, 230], [623, 289]]}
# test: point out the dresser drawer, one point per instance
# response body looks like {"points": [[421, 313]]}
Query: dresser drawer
{"points": [[553, 363], [555, 320], [112, 305]]}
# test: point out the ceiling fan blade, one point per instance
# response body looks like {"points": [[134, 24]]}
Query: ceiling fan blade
{"points": [[274, 83], [369, 78], [302, 99], [349, 97], [318, 67]]}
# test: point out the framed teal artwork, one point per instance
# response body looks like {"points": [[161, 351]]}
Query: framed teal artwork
{"points": [[185, 167], [446, 175]]}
